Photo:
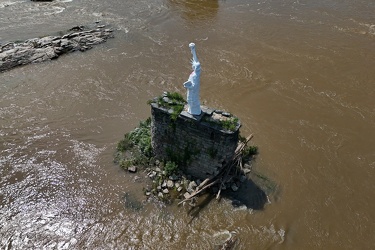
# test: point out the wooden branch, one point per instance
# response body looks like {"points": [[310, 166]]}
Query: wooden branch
{"points": [[242, 145], [198, 191], [218, 193], [203, 183], [224, 172]]}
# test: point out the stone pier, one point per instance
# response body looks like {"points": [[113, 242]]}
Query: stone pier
{"points": [[200, 145]]}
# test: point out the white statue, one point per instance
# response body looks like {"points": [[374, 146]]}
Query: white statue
{"points": [[193, 85]]}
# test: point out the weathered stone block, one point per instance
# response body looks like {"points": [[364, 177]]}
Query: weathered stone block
{"points": [[198, 144]]}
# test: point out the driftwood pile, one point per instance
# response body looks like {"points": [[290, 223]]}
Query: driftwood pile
{"points": [[233, 168]]}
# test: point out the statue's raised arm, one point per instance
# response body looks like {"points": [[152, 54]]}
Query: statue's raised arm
{"points": [[193, 84], [192, 48]]}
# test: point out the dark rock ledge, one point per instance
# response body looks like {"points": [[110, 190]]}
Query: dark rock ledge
{"points": [[37, 50]]}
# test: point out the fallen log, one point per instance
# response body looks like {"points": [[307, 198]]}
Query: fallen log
{"points": [[237, 161], [198, 192]]}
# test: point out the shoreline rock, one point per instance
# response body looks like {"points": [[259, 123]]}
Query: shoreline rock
{"points": [[37, 50]]}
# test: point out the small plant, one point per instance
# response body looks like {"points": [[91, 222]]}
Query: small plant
{"points": [[170, 168], [124, 144], [139, 159], [250, 151], [141, 137], [230, 124], [175, 102], [253, 150], [241, 138], [176, 97], [125, 164], [135, 148], [177, 109]]}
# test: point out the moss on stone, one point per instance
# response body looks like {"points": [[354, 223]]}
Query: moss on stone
{"points": [[170, 101], [226, 123]]}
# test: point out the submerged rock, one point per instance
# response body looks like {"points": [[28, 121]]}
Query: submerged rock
{"points": [[234, 187]]}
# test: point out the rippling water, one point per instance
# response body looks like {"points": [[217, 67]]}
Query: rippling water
{"points": [[299, 74]]}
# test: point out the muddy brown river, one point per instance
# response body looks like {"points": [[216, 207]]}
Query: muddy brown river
{"points": [[299, 74]]}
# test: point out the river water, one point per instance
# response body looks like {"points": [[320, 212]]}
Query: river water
{"points": [[299, 74]]}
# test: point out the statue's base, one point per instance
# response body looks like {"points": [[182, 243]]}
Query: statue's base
{"points": [[199, 144]]}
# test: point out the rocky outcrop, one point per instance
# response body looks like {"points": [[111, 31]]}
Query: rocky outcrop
{"points": [[178, 185], [51, 47]]}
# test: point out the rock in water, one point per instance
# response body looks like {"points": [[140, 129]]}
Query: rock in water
{"points": [[192, 186], [50, 47], [132, 169]]}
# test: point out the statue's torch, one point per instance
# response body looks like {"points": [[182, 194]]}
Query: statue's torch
{"points": [[192, 48]]}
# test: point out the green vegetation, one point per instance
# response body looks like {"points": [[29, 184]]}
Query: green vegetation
{"points": [[241, 138], [141, 137], [170, 168], [250, 150], [176, 111], [229, 124], [176, 97], [175, 101], [135, 148]]}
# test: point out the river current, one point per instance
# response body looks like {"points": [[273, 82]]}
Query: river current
{"points": [[299, 74]]}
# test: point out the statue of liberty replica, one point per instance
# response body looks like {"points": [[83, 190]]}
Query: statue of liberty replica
{"points": [[193, 84]]}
